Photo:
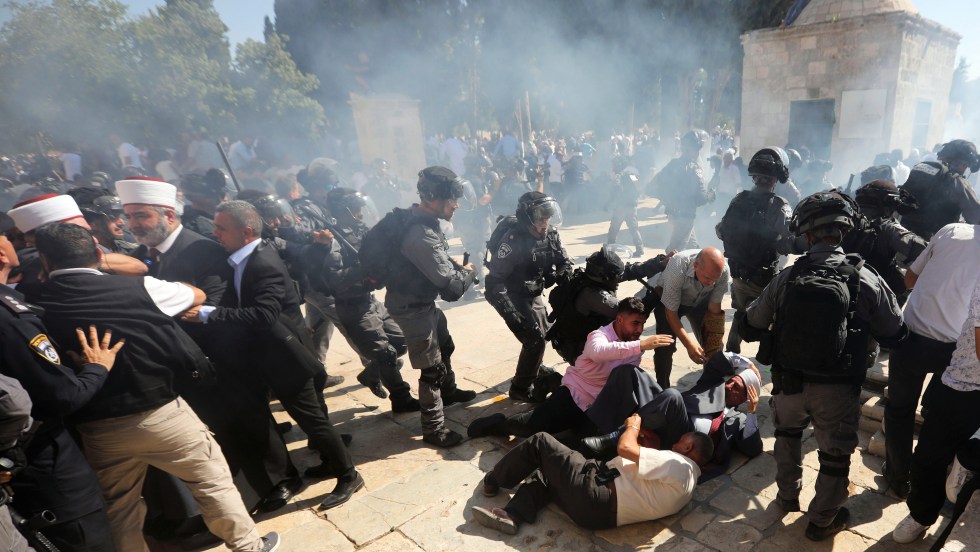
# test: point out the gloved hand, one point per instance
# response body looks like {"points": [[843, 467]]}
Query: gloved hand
{"points": [[528, 333]]}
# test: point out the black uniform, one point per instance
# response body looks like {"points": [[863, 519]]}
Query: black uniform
{"points": [[882, 242], [366, 321], [942, 196], [198, 221], [57, 477], [681, 188], [521, 269]]}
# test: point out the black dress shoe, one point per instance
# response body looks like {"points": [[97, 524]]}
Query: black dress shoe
{"points": [[277, 498], [344, 490], [600, 447]]}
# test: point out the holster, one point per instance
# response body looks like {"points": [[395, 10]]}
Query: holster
{"points": [[786, 382]]}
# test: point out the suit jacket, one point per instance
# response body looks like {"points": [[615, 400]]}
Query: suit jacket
{"points": [[708, 394], [273, 339], [195, 260]]}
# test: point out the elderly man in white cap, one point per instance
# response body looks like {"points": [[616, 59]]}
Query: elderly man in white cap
{"points": [[31, 214], [710, 407], [239, 416]]}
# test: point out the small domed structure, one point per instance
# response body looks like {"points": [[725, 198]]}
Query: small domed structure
{"points": [[827, 11]]}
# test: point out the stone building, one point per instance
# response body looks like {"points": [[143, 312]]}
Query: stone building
{"points": [[851, 78]]}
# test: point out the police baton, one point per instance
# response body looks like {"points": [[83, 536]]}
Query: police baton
{"points": [[228, 166]]}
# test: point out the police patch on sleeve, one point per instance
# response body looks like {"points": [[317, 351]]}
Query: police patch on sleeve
{"points": [[42, 346], [503, 251]]}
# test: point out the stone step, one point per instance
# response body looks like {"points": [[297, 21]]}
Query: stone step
{"points": [[869, 424], [867, 394], [874, 408], [876, 445]]}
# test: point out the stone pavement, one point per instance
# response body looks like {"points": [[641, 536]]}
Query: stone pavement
{"points": [[419, 498]]}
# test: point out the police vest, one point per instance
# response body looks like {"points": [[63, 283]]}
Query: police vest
{"points": [[750, 245], [932, 186]]}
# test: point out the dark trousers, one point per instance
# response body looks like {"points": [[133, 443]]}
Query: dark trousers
{"points": [[908, 365], [89, 533], [561, 475], [377, 337], [627, 388], [666, 415], [951, 422], [311, 417], [663, 357], [532, 348], [556, 414]]}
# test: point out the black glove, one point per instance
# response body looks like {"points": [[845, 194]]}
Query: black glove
{"points": [[528, 333]]}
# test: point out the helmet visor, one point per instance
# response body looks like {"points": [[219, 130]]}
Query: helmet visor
{"points": [[468, 201], [546, 212], [276, 213]]}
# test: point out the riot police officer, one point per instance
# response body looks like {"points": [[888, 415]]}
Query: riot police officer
{"points": [[822, 312], [588, 300], [366, 322], [508, 190], [528, 259], [879, 239], [382, 187], [104, 213], [755, 232], [624, 199], [942, 191], [204, 192], [425, 272], [682, 189], [474, 225]]}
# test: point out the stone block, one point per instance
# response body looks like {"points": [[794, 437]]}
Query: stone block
{"points": [[392, 542], [729, 536], [877, 445], [808, 43], [314, 537], [697, 519], [869, 424], [753, 509], [817, 68], [650, 535], [874, 408]]}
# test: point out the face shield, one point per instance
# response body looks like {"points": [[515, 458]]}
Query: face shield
{"points": [[544, 214], [468, 201]]}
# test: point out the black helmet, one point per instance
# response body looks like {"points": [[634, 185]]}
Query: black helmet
{"points": [[96, 203], [536, 206], [439, 183], [694, 139], [771, 161], [831, 208], [275, 211], [345, 202], [317, 176], [216, 178], [961, 150], [884, 194], [102, 180], [878, 172], [605, 266], [202, 185]]}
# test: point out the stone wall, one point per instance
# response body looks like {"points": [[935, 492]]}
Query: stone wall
{"points": [[903, 54]]}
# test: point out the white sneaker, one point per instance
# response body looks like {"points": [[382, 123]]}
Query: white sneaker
{"points": [[958, 476], [908, 530]]}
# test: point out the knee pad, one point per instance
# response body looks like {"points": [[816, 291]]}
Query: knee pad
{"points": [[387, 356], [834, 465], [789, 434], [434, 376]]}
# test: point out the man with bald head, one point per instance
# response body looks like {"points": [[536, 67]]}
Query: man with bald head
{"points": [[692, 286]]}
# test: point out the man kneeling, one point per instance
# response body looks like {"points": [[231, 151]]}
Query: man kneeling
{"points": [[641, 484]]}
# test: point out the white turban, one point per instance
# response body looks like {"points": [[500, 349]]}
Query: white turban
{"points": [[147, 191], [44, 209]]}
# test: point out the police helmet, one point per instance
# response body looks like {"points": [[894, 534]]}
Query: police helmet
{"points": [[534, 207], [694, 139], [795, 159], [605, 266], [885, 195], [202, 185], [96, 203], [318, 176], [878, 172], [770, 161], [345, 202], [437, 183], [102, 180], [960, 150], [275, 212], [822, 209]]}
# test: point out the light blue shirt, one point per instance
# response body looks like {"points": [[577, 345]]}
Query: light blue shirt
{"points": [[237, 260]]}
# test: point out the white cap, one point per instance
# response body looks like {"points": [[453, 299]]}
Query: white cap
{"points": [[41, 210], [146, 190], [751, 380]]}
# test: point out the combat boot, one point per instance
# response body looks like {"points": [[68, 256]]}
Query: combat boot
{"points": [[444, 438]]}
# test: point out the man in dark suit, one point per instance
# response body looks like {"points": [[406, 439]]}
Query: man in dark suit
{"points": [[262, 309], [710, 407], [235, 410]]}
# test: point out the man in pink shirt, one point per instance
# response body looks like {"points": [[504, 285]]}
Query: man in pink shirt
{"points": [[612, 346]]}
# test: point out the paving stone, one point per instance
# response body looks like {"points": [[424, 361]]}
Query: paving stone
{"points": [[312, 537], [705, 490], [650, 535], [368, 516], [392, 542], [755, 509], [966, 534], [698, 519], [729, 536]]}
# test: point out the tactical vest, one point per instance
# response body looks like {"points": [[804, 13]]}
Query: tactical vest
{"points": [[571, 328], [865, 240], [408, 279], [750, 246], [540, 258], [932, 185]]}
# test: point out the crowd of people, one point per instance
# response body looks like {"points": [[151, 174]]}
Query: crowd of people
{"points": [[149, 319]]}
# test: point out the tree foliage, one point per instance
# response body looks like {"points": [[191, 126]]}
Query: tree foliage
{"points": [[80, 69]]}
